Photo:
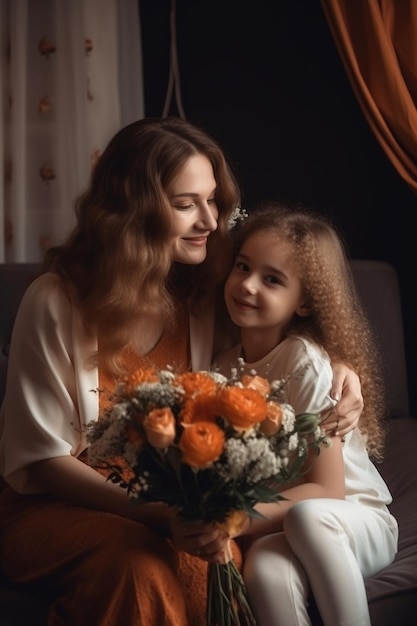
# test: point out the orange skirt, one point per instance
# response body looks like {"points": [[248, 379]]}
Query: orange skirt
{"points": [[99, 569]]}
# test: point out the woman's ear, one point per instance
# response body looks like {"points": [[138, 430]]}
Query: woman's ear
{"points": [[303, 310]]}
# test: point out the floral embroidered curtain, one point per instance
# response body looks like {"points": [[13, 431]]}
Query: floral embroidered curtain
{"points": [[378, 45], [71, 76]]}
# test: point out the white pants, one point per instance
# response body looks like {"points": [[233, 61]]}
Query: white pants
{"points": [[327, 547]]}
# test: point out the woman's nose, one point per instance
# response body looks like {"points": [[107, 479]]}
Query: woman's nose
{"points": [[208, 217]]}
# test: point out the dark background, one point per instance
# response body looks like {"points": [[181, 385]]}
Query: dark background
{"points": [[264, 77]]}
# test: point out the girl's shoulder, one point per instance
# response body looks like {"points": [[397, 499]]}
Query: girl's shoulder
{"points": [[303, 348]]}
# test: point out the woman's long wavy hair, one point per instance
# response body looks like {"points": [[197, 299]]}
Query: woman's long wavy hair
{"points": [[118, 261], [337, 320]]}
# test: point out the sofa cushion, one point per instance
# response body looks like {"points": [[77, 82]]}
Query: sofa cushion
{"points": [[392, 593], [378, 287], [19, 609]]}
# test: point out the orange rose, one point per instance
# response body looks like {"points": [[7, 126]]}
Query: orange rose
{"points": [[159, 426], [201, 444], [197, 382], [201, 408], [272, 423], [242, 407], [147, 375], [261, 385]]}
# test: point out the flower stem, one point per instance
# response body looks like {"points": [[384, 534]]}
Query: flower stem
{"points": [[227, 603]]}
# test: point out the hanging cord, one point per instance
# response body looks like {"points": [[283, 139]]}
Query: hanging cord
{"points": [[174, 72]]}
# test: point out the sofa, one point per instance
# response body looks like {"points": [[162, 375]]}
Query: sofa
{"points": [[392, 593]]}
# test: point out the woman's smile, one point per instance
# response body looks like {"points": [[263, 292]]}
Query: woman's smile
{"points": [[196, 241]]}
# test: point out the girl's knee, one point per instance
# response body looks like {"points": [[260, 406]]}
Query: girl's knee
{"points": [[303, 519], [311, 525], [266, 562]]}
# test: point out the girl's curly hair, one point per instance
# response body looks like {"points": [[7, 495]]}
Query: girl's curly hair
{"points": [[337, 321]]}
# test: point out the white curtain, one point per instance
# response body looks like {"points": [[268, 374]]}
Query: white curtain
{"points": [[71, 76]]}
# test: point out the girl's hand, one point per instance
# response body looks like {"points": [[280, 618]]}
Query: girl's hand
{"points": [[200, 539], [346, 389]]}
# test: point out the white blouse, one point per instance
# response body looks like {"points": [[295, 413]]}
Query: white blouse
{"points": [[51, 388]]}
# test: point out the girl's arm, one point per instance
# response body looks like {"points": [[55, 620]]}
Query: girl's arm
{"points": [[325, 479], [346, 389]]}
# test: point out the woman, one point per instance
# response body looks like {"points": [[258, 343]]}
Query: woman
{"points": [[134, 284]]}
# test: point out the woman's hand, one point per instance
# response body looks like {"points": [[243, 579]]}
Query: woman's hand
{"points": [[346, 389], [201, 539]]}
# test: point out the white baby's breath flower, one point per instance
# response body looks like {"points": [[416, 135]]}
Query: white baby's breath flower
{"points": [[217, 377], [110, 444], [278, 384], [288, 420], [302, 446], [293, 442], [166, 376], [236, 453], [119, 410], [156, 395], [140, 485], [267, 463]]}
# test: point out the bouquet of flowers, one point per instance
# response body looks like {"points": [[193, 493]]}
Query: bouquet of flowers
{"points": [[210, 446]]}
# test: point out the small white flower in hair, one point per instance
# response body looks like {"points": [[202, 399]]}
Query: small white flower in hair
{"points": [[238, 215]]}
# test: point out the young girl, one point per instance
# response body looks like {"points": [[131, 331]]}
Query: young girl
{"points": [[291, 293]]}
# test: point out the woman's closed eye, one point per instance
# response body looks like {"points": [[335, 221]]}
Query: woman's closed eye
{"points": [[184, 207]]}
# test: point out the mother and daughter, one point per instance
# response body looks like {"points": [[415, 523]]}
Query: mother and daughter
{"points": [[138, 282]]}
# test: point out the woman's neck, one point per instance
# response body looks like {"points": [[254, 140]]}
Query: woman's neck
{"points": [[147, 334]]}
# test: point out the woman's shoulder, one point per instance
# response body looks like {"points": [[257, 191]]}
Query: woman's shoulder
{"points": [[48, 282], [46, 290], [45, 304]]}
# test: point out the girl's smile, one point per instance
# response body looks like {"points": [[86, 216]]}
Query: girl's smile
{"points": [[263, 290]]}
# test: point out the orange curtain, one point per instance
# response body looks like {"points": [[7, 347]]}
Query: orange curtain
{"points": [[377, 41]]}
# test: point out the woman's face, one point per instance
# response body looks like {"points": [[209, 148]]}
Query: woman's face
{"points": [[192, 195]]}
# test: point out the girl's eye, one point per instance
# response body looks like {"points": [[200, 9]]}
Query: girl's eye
{"points": [[272, 280], [242, 267], [211, 201]]}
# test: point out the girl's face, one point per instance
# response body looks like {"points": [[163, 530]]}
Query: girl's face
{"points": [[263, 290], [192, 195]]}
